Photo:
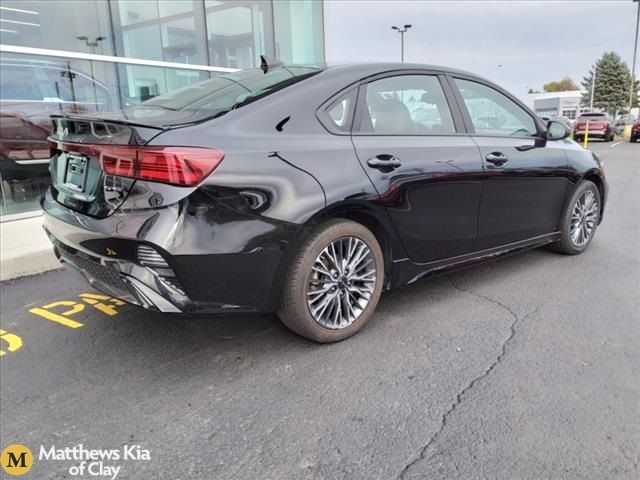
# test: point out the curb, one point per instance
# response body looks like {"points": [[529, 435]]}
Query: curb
{"points": [[39, 261]]}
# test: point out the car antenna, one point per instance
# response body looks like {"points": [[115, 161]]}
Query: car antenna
{"points": [[268, 62]]}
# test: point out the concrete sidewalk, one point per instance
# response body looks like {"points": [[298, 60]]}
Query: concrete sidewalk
{"points": [[25, 249]]}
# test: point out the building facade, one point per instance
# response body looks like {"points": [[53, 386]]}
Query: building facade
{"points": [[88, 56], [557, 104]]}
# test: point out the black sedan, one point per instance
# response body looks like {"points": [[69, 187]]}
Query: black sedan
{"points": [[308, 191]]}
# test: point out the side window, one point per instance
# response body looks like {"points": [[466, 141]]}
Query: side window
{"points": [[493, 113], [339, 114], [406, 105]]}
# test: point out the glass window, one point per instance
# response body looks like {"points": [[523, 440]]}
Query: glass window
{"points": [[168, 30], [238, 32], [57, 24], [493, 113], [407, 104], [215, 97], [339, 113], [299, 31], [32, 89], [139, 83]]}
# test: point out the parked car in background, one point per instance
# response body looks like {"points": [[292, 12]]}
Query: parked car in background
{"points": [[30, 92], [635, 132], [599, 126], [618, 125], [308, 191]]}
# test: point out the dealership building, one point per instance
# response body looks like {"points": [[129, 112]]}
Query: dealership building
{"points": [[71, 56], [557, 104]]}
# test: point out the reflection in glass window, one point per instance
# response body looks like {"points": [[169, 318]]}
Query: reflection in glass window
{"points": [[171, 31], [238, 32], [31, 90], [139, 83], [493, 113], [57, 24]]}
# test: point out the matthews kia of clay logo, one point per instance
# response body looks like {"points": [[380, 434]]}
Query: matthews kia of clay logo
{"points": [[85, 462], [16, 459]]}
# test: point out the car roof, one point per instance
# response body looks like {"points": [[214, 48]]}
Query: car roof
{"points": [[380, 67]]}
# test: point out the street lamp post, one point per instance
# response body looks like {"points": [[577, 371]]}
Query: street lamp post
{"points": [[401, 31], [633, 68], [92, 45], [593, 86]]}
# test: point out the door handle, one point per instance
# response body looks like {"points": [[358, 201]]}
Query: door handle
{"points": [[384, 161], [497, 158]]}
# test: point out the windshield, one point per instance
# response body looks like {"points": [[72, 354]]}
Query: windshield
{"points": [[217, 96]]}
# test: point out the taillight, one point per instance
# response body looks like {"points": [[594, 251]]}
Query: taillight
{"points": [[183, 166]]}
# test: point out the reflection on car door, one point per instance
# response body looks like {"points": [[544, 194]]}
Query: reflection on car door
{"points": [[526, 176], [428, 176]]}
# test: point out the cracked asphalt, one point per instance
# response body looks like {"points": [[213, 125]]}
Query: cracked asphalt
{"points": [[526, 368]]}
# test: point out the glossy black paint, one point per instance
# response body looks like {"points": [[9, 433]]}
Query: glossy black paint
{"points": [[230, 239]]}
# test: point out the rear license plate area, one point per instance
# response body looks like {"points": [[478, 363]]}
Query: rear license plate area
{"points": [[77, 169]]}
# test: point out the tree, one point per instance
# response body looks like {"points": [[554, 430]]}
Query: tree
{"points": [[563, 85], [613, 84]]}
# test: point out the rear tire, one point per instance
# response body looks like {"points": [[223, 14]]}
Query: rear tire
{"points": [[579, 220], [333, 283]]}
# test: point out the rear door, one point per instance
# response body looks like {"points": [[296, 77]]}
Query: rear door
{"points": [[526, 176], [427, 172]]}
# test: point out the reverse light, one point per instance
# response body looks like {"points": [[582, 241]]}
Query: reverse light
{"points": [[182, 166]]}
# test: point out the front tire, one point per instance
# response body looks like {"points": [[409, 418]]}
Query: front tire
{"points": [[579, 220], [333, 283]]}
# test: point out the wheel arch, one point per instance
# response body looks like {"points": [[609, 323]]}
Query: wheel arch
{"points": [[376, 219], [595, 176]]}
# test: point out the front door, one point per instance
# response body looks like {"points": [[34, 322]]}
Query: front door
{"points": [[428, 174], [526, 176]]}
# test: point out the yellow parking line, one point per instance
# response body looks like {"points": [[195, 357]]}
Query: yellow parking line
{"points": [[93, 299], [54, 317], [14, 341]]}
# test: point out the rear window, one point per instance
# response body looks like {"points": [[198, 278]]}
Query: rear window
{"points": [[593, 116], [217, 96]]}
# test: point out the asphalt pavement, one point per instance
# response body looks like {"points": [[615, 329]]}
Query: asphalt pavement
{"points": [[526, 368]]}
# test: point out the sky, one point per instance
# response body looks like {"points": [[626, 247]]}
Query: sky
{"points": [[518, 44]]}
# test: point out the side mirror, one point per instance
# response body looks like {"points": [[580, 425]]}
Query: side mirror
{"points": [[557, 130]]}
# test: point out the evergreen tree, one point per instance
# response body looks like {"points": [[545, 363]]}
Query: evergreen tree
{"points": [[613, 83]]}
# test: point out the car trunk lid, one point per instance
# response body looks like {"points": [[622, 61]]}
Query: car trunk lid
{"points": [[77, 179]]}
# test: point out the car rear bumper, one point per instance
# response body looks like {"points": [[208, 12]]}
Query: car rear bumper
{"points": [[122, 279], [592, 133], [199, 264]]}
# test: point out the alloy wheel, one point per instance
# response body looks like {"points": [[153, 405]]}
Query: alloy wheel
{"points": [[583, 218], [341, 283]]}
